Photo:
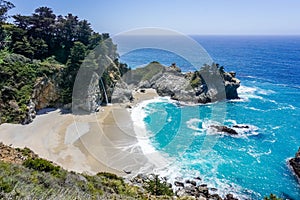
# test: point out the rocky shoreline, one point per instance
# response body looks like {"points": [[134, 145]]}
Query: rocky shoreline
{"points": [[188, 188], [209, 84], [183, 189]]}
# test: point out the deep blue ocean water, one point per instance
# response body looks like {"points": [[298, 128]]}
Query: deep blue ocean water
{"points": [[253, 164]]}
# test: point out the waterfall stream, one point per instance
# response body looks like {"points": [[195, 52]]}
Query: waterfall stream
{"points": [[106, 99]]}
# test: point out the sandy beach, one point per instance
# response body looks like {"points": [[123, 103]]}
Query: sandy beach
{"points": [[102, 141]]}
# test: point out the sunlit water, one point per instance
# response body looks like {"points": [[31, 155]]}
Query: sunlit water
{"points": [[253, 164]]}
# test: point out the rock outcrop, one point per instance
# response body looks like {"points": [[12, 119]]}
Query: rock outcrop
{"points": [[224, 129], [231, 85], [295, 164], [45, 92], [186, 189], [210, 84], [86, 93]]}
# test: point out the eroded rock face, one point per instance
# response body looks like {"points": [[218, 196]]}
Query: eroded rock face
{"points": [[210, 84], [231, 85], [122, 93], [295, 163], [86, 93], [45, 93], [173, 84]]}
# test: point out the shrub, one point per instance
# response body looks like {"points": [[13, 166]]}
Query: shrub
{"points": [[109, 175], [41, 165], [157, 187], [25, 152], [6, 185], [272, 197]]}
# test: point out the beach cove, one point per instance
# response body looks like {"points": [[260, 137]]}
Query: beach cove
{"points": [[102, 141]]}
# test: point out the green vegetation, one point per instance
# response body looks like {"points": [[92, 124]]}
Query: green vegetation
{"points": [[46, 45], [158, 187], [146, 73], [41, 165], [39, 179], [272, 197], [196, 79], [36, 178]]}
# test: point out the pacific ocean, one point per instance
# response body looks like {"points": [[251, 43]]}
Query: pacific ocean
{"points": [[253, 164]]}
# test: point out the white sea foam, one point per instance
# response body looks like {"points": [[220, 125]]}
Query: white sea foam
{"points": [[247, 93], [265, 92], [250, 131], [194, 124], [199, 126], [138, 115], [276, 127], [244, 130], [257, 155], [253, 108], [242, 99], [210, 176]]}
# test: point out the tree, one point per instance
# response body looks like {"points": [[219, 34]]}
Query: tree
{"points": [[5, 6], [77, 55], [94, 40], [84, 32], [24, 47], [42, 24], [157, 187]]}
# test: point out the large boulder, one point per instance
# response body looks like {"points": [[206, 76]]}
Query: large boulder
{"points": [[295, 163]]}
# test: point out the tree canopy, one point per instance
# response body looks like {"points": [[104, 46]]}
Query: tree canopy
{"points": [[44, 44]]}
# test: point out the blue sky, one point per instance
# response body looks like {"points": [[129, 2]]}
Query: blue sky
{"points": [[205, 17]]}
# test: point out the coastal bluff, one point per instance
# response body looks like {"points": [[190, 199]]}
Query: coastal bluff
{"points": [[209, 84]]}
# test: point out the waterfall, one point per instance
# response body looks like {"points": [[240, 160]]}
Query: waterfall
{"points": [[106, 99]]}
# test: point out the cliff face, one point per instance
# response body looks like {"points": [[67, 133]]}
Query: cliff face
{"points": [[295, 163], [210, 84], [87, 95], [231, 85], [45, 92]]}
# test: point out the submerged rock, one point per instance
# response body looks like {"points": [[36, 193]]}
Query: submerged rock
{"points": [[241, 126], [224, 129], [295, 163]]}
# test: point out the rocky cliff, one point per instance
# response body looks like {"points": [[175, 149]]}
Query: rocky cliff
{"points": [[295, 164], [209, 84]]}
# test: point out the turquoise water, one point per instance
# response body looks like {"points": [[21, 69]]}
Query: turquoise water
{"points": [[253, 164]]}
